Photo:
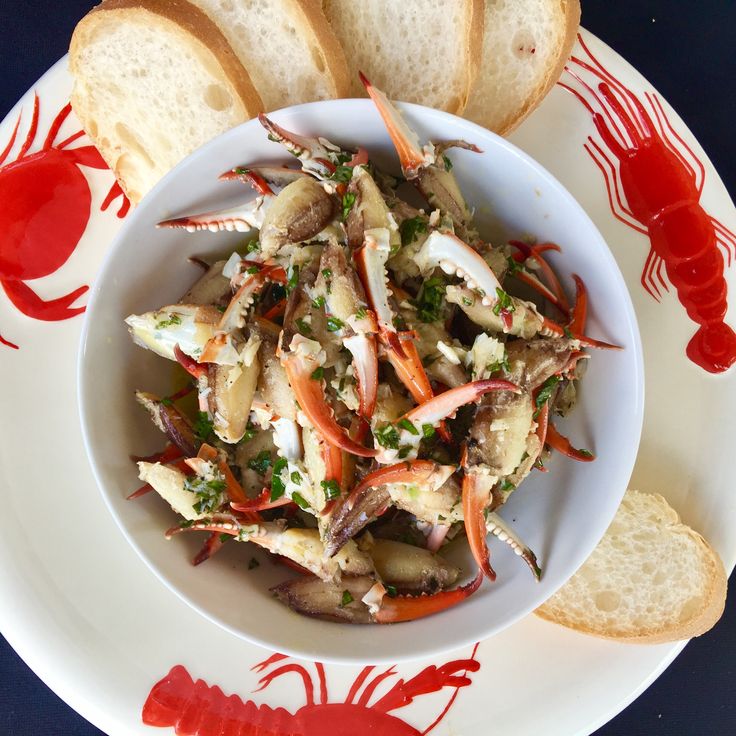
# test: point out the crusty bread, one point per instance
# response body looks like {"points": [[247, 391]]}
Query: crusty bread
{"points": [[424, 51], [287, 46], [650, 580], [154, 80], [525, 46]]}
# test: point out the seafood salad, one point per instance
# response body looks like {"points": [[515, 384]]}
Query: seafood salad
{"points": [[368, 383]]}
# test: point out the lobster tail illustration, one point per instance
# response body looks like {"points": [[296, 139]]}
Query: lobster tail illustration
{"points": [[654, 183], [194, 708]]}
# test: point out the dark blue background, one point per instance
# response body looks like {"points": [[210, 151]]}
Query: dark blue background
{"points": [[686, 49]]}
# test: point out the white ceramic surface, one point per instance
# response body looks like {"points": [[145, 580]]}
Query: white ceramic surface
{"points": [[561, 514], [91, 620]]}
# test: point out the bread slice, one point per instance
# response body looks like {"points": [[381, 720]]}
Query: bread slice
{"points": [[287, 46], [154, 80], [525, 46], [424, 51], [650, 580]]}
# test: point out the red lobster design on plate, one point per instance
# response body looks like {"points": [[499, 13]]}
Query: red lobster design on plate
{"points": [[44, 209], [661, 181], [197, 709]]}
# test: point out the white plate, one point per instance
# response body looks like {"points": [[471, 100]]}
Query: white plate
{"points": [[87, 615]]}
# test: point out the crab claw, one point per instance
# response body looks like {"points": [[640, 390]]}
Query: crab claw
{"points": [[405, 140], [410, 608], [240, 218], [457, 258], [365, 364], [248, 176], [409, 369], [499, 528], [273, 176], [552, 329], [447, 403], [300, 365], [477, 487], [359, 508], [560, 443], [313, 155], [580, 310]]}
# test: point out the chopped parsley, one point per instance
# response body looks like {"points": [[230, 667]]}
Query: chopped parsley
{"points": [[202, 426], [331, 489], [545, 393], [252, 246], [252, 270], [261, 462], [507, 485], [318, 302], [296, 478], [387, 436], [410, 228], [166, 401], [318, 374], [504, 302], [447, 162], [175, 319], [362, 313], [334, 324], [327, 273], [467, 302], [348, 200], [428, 431], [342, 173], [567, 332], [430, 299], [391, 591], [303, 326], [404, 451], [500, 365], [253, 564], [208, 492], [278, 487], [585, 453], [298, 499], [293, 279], [224, 538], [250, 432], [408, 426], [346, 599]]}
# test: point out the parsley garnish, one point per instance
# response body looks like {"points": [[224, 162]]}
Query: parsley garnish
{"points": [[318, 302], [585, 453], [261, 462], [296, 478], [408, 426], [175, 319], [347, 599], [318, 374], [208, 492], [348, 201], [513, 266], [331, 489], [507, 485], [567, 332], [250, 432], [430, 299], [166, 401], [362, 313], [504, 302], [409, 229], [252, 269], [428, 431], [388, 437], [252, 246], [293, 279], [202, 426], [544, 393], [303, 326], [298, 499], [404, 450], [327, 273], [448, 163], [342, 173], [334, 324], [391, 591], [224, 538], [278, 487], [467, 302]]}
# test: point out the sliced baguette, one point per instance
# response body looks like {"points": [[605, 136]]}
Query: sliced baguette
{"points": [[425, 51], [525, 46], [154, 80], [650, 580], [287, 46]]}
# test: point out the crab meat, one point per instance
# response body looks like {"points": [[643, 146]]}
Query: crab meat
{"points": [[212, 288], [313, 597], [190, 326], [298, 213]]}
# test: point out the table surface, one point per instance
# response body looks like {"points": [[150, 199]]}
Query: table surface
{"points": [[686, 50]]}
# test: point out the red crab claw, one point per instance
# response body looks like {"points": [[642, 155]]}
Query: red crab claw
{"points": [[362, 347], [274, 176], [410, 608], [260, 503], [248, 176], [447, 403], [560, 443], [580, 311], [405, 140], [552, 329], [409, 369], [240, 218], [309, 151], [310, 394], [418, 472], [553, 287], [190, 365], [476, 495]]}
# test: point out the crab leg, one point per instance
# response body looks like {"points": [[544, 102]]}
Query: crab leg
{"points": [[240, 218], [273, 176], [560, 443], [300, 363], [499, 528], [477, 487]]}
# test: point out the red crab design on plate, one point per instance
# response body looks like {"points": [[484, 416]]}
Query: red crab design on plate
{"points": [[655, 182], [45, 204], [198, 709]]}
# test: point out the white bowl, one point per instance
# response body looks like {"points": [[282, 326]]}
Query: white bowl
{"points": [[561, 514]]}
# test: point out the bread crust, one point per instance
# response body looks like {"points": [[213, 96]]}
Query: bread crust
{"points": [[714, 595], [333, 53], [194, 22], [571, 12], [475, 19]]}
